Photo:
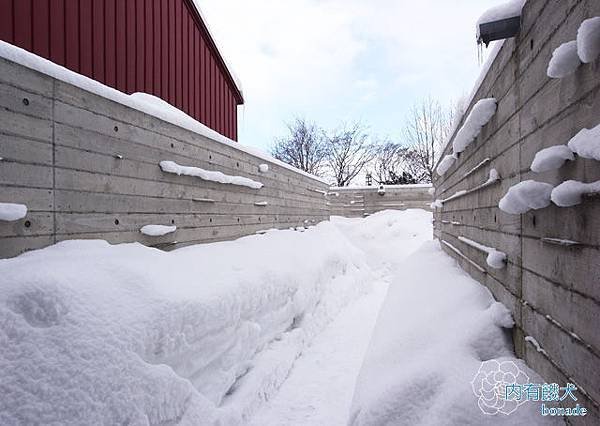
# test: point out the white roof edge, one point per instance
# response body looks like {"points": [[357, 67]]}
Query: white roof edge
{"points": [[234, 76], [376, 187], [49, 68]]}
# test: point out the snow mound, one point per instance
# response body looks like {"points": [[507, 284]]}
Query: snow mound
{"points": [[263, 168], [571, 192], [429, 342], [564, 61], [588, 40], [219, 177], [506, 10], [480, 115], [445, 164], [437, 204], [586, 143], [92, 333], [157, 230], [551, 158], [10, 212], [525, 196]]}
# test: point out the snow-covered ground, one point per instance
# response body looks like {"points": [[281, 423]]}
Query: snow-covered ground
{"points": [[270, 329]]}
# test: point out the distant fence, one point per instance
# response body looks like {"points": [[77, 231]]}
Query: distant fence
{"points": [[88, 167], [364, 201], [551, 286]]}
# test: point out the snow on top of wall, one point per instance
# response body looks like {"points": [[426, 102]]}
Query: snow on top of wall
{"points": [[445, 164], [586, 143], [10, 212], [481, 113], [551, 158], [506, 10], [588, 40], [571, 192], [173, 167], [146, 104], [374, 188], [525, 196], [564, 61], [157, 230]]}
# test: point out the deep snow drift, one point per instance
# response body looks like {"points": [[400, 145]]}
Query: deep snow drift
{"points": [[434, 330], [97, 334]]}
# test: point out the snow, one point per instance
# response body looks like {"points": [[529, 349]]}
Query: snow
{"points": [[263, 168], [145, 103], [172, 167], [429, 342], [477, 167], [431, 191], [9, 212], [494, 177], [586, 143], [481, 113], [564, 61], [571, 192], [525, 196], [445, 164], [157, 230], [551, 158], [437, 204], [92, 333], [261, 203], [357, 187], [588, 40], [496, 259], [506, 10]]}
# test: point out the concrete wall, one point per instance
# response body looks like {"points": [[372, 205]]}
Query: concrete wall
{"points": [[553, 291], [364, 201], [59, 145]]}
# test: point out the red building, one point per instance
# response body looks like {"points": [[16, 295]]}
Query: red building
{"points": [[161, 47]]}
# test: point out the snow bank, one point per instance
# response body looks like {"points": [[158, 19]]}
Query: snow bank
{"points": [[586, 143], [144, 103], [525, 196], [10, 212], [445, 164], [481, 113], [173, 167], [157, 230], [506, 10], [92, 333], [429, 342], [496, 259], [570, 193], [551, 158], [564, 61], [588, 40]]}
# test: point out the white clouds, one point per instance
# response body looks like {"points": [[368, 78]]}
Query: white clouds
{"points": [[338, 59]]}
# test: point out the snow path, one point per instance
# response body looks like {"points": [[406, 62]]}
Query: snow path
{"points": [[319, 389]]}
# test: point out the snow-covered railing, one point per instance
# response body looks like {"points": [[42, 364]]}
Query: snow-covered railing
{"points": [[465, 257], [495, 258], [212, 176], [493, 178]]}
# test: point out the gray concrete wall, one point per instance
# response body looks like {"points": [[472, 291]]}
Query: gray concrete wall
{"points": [[553, 291], [59, 145], [364, 201]]}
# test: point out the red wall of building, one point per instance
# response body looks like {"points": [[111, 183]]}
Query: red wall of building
{"points": [[160, 47]]}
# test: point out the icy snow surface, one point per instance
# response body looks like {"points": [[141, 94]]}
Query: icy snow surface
{"points": [[525, 196], [506, 10], [570, 193], [564, 61], [10, 212], [481, 113], [586, 143], [434, 330], [551, 158], [445, 164], [173, 167], [588, 40], [157, 230]]}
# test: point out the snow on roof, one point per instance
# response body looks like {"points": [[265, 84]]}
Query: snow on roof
{"points": [[145, 103]]}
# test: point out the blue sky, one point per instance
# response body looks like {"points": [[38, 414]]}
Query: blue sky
{"points": [[332, 61]]}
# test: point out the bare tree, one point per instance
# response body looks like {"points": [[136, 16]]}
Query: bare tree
{"points": [[348, 152], [425, 132], [304, 147]]}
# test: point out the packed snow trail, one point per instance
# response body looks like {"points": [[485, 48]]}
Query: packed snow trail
{"points": [[320, 386]]}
